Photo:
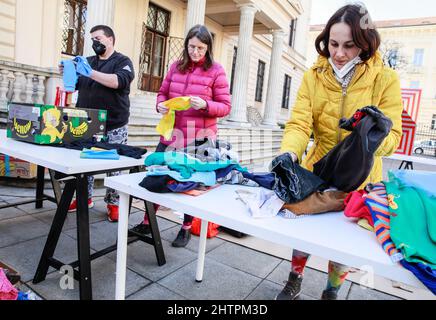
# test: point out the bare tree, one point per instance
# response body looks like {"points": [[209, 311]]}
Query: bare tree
{"points": [[393, 56]]}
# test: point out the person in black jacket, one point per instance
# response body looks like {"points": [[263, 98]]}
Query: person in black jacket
{"points": [[108, 88]]}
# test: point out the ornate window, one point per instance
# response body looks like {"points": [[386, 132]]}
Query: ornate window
{"points": [[286, 92], [260, 78], [154, 46], [74, 27]]}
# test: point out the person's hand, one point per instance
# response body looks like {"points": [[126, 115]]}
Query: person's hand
{"points": [[61, 69], [197, 103], [64, 127], [162, 109]]}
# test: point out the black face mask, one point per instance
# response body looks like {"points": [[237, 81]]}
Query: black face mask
{"points": [[99, 48]]}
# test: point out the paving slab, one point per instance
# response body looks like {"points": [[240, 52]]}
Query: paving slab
{"points": [[103, 283], [220, 282], [141, 258], [155, 291], [247, 260]]}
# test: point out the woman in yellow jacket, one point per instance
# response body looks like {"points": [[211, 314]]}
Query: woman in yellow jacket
{"points": [[348, 75]]}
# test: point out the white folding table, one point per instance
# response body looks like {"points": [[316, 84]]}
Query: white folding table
{"points": [[330, 235], [76, 170], [407, 161]]}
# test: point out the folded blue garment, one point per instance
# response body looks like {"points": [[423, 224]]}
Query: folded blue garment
{"points": [[100, 154], [69, 76], [82, 66]]}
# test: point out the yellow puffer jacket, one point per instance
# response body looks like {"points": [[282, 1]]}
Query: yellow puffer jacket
{"points": [[321, 103]]}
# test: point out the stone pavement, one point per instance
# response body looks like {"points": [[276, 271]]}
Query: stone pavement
{"points": [[232, 271]]}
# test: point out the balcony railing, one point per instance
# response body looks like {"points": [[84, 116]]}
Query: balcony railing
{"points": [[23, 83]]}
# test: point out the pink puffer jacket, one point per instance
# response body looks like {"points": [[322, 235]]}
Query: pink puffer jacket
{"points": [[211, 86]]}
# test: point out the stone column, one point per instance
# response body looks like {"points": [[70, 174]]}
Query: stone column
{"points": [[98, 12], [242, 68], [272, 103], [195, 14]]}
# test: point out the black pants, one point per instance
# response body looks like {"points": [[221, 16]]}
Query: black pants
{"points": [[187, 219]]}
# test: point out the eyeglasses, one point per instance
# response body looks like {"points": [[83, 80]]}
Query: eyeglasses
{"points": [[199, 49]]}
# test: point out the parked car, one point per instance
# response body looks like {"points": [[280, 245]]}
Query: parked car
{"points": [[425, 147]]}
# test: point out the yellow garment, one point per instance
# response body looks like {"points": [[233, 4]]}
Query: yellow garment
{"points": [[365, 224], [320, 104], [166, 124]]}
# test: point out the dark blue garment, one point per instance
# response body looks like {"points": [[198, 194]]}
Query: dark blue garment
{"points": [[266, 180], [183, 186], [294, 183], [221, 173], [424, 273], [157, 184]]}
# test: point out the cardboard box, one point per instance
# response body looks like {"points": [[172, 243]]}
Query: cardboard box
{"points": [[16, 168], [47, 124]]}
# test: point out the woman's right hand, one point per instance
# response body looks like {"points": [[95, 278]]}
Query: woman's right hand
{"points": [[61, 69], [162, 109]]}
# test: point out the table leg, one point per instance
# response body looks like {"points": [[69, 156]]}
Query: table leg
{"points": [[39, 187], [83, 242], [55, 231], [201, 251], [123, 219], [155, 234], [55, 185]]}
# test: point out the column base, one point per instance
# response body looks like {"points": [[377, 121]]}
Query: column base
{"points": [[236, 123]]}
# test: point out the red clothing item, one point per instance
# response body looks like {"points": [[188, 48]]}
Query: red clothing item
{"points": [[211, 86], [355, 206]]}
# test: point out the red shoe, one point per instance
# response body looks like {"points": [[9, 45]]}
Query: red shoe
{"points": [[73, 205], [112, 212]]}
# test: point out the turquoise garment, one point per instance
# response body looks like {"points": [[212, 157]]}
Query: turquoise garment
{"points": [[186, 164], [413, 222], [424, 180], [207, 178], [100, 154]]}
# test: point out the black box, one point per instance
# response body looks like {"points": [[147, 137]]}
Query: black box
{"points": [[47, 124]]}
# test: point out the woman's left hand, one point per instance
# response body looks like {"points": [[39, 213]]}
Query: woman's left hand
{"points": [[197, 103]]}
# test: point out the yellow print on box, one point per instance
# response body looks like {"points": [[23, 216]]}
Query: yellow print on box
{"points": [[51, 118]]}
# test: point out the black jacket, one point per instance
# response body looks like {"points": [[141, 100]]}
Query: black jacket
{"points": [[349, 163], [93, 95]]}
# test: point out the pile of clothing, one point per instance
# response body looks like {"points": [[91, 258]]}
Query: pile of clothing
{"points": [[402, 213], [288, 189], [301, 192], [8, 279], [196, 170], [91, 146]]}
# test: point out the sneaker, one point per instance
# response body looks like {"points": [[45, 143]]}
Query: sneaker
{"points": [[292, 288], [112, 212], [140, 229], [182, 238], [73, 205], [329, 295]]}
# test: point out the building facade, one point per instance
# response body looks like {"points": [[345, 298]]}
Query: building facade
{"points": [[268, 36]]}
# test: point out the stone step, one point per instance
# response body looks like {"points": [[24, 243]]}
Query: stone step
{"points": [[153, 136], [143, 122]]}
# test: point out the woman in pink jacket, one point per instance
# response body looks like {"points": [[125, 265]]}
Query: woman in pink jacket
{"points": [[197, 76]]}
